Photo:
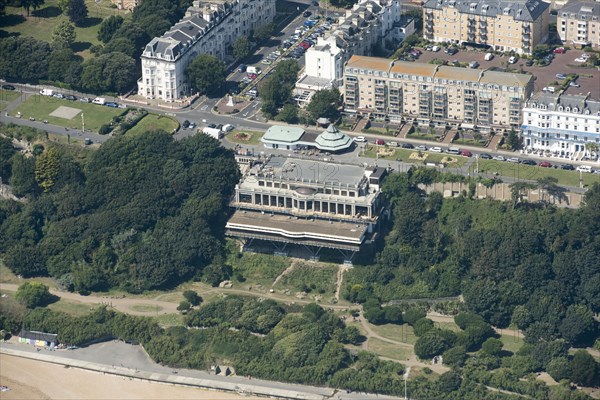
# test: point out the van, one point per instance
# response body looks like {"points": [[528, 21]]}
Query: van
{"points": [[488, 57], [253, 70], [584, 168], [99, 100], [435, 48], [393, 144], [453, 150], [47, 92]]}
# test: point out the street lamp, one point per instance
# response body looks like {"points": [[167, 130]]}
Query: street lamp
{"points": [[406, 379]]}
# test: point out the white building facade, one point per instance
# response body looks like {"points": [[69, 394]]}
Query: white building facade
{"points": [[207, 28], [561, 125]]}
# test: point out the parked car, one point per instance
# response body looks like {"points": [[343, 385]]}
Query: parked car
{"points": [[192, 125], [568, 167], [528, 162], [379, 142], [360, 139], [111, 104], [436, 149], [499, 158], [473, 64], [485, 156], [252, 76], [421, 147], [451, 51], [8, 87], [58, 95], [242, 68], [435, 48], [266, 62], [185, 124], [561, 76], [227, 128], [85, 100], [529, 63], [550, 89], [584, 168], [306, 14], [545, 164], [559, 50], [70, 97], [513, 160], [466, 153], [574, 84], [582, 58], [513, 60], [488, 56], [407, 146]]}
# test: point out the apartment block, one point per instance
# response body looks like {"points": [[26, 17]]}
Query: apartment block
{"points": [[369, 23], [435, 94], [561, 125], [578, 24], [208, 27], [517, 25]]}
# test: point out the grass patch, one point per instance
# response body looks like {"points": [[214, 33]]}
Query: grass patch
{"points": [[40, 24], [404, 156], [146, 308], [512, 343], [258, 268], [531, 172], [6, 275], [40, 107], [311, 278], [71, 307], [435, 137], [166, 320], [154, 122], [400, 333], [389, 350], [244, 137], [6, 96], [469, 142]]}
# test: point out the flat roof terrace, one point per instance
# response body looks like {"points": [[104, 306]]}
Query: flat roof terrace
{"points": [[295, 169], [314, 232]]}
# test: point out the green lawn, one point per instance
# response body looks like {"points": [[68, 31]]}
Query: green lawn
{"points": [[258, 268], [166, 320], [469, 142], [532, 172], [6, 96], [153, 122], [512, 343], [401, 333], [389, 350], [40, 107], [235, 136], [404, 156], [71, 307], [435, 137], [41, 22]]}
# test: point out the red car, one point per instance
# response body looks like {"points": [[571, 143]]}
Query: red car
{"points": [[466, 153], [379, 142], [545, 164], [252, 76], [559, 50]]}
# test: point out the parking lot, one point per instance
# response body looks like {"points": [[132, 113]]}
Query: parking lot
{"points": [[589, 78]]}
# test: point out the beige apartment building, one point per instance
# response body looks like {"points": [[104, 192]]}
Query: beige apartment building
{"points": [[517, 25], [435, 94], [578, 24]]}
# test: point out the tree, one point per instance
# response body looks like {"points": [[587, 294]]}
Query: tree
{"points": [[120, 45], [109, 27], [24, 59], [64, 66], [414, 314], [241, 48], [289, 114], [63, 5], [64, 34], [77, 11], [514, 141], [22, 178], [584, 369], [429, 345], [29, 4], [393, 315], [47, 166], [518, 190], [492, 346], [579, 326], [6, 152], [34, 294], [449, 381], [325, 103], [264, 32], [109, 72], [548, 185], [456, 356], [192, 297], [559, 368], [206, 74], [184, 306], [422, 326], [375, 315]]}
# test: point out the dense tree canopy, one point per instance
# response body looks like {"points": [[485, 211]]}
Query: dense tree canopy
{"points": [[206, 74], [108, 27], [143, 212], [77, 11], [33, 294], [109, 72], [23, 59]]}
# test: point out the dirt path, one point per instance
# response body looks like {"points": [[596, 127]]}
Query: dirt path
{"points": [[289, 269], [126, 305], [340, 279]]}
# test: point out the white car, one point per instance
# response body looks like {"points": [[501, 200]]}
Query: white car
{"points": [[513, 60], [227, 128], [436, 149], [550, 89], [581, 60], [499, 158], [360, 139], [513, 160], [584, 168]]}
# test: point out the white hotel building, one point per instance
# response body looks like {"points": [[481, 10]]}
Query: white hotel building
{"points": [[209, 27], [561, 124]]}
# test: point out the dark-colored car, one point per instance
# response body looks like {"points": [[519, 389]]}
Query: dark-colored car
{"points": [[70, 97], [306, 14], [528, 162], [529, 63], [451, 51], [568, 167], [485, 156], [8, 87], [407, 146], [185, 124], [111, 104], [242, 68]]}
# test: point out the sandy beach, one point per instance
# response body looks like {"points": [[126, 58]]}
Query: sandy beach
{"points": [[32, 380]]}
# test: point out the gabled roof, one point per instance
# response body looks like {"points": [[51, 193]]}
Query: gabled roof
{"points": [[585, 10]]}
